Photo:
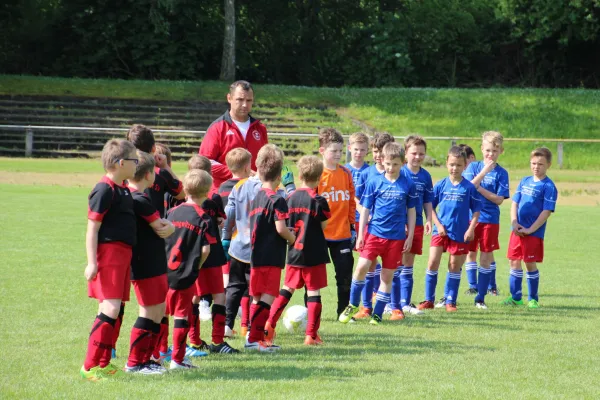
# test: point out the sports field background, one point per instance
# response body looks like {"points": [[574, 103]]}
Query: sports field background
{"points": [[551, 352]]}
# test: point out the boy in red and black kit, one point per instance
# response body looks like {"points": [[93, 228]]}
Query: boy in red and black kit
{"points": [[308, 257], [148, 271], [268, 215], [170, 200], [110, 236], [187, 249]]}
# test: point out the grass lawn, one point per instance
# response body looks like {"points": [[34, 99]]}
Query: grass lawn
{"points": [[551, 352]]}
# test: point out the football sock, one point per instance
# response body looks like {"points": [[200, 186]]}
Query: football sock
{"points": [[180, 332], [515, 283], [259, 314], [453, 280], [533, 282], [367, 291], [482, 283], [431, 278], [194, 323], [377, 278], [492, 284], [355, 292], [140, 341], [118, 323], [218, 322], [100, 340], [446, 286], [382, 299], [314, 315], [471, 268], [406, 285], [245, 320], [278, 306], [396, 290], [153, 341], [163, 341]]}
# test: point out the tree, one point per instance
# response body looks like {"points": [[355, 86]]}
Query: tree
{"points": [[228, 59]]}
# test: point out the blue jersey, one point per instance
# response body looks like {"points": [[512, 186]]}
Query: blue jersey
{"points": [[495, 181], [533, 197], [388, 203], [356, 179], [422, 181], [365, 176], [454, 204]]}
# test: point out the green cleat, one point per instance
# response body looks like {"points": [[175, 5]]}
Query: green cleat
{"points": [[512, 302], [110, 369], [95, 374], [375, 320], [347, 314], [533, 304]]}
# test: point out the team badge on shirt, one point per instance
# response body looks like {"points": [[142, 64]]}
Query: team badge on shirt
{"points": [[256, 134]]}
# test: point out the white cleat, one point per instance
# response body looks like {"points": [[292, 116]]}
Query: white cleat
{"points": [[205, 314], [411, 309], [481, 305]]}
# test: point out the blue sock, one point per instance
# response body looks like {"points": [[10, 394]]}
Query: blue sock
{"points": [[430, 284], [367, 292], [482, 284], [377, 278], [492, 285], [453, 283], [406, 285], [515, 282], [355, 290], [446, 286], [471, 268], [395, 295], [533, 282], [382, 299]]}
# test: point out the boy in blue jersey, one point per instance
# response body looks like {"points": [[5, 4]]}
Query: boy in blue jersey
{"points": [[491, 181], [358, 148], [454, 198], [533, 203], [391, 199], [373, 276]]}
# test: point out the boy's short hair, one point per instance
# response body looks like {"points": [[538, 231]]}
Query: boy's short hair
{"points": [[145, 164], [199, 162], [393, 150], [380, 139], [197, 183], [467, 149], [310, 168], [414, 140], [542, 152], [165, 151], [493, 137], [269, 162], [358, 137], [456, 151], [328, 136], [142, 137], [237, 159], [115, 150]]}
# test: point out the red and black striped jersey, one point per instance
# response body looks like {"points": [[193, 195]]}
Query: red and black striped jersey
{"points": [[149, 257], [184, 246], [112, 205], [226, 188], [306, 211], [213, 207], [164, 182], [268, 247]]}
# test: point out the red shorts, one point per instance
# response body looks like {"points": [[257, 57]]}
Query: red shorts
{"points": [[527, 248], [210, 281], [449, 245], [113, 280], [265, 280], [486, 238], [226, 268], [390, 250], [179, 302], [417, 244], [314, 278], [151, 291]]}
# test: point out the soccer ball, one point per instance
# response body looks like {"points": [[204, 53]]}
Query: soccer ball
{"points": [[294, 319]]}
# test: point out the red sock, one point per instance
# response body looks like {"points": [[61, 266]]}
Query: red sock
{"points": [[153, 344], [117, 330], [245, 320], [194, 319], [140, 341], [278, 306], [163, 338], [314, 315], [259, 316], [180, 332], [218, 321], [100, 340]]}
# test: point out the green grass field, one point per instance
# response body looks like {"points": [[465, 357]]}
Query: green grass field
{"points": [[551, 352]]}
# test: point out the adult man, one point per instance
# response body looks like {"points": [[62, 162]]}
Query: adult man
{"points": [[235, 128]]}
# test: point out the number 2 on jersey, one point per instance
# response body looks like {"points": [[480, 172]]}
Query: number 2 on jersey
{"points": [[300, 229]]}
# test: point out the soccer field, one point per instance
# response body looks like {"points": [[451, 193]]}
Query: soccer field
{"points": [[551, 352]]}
